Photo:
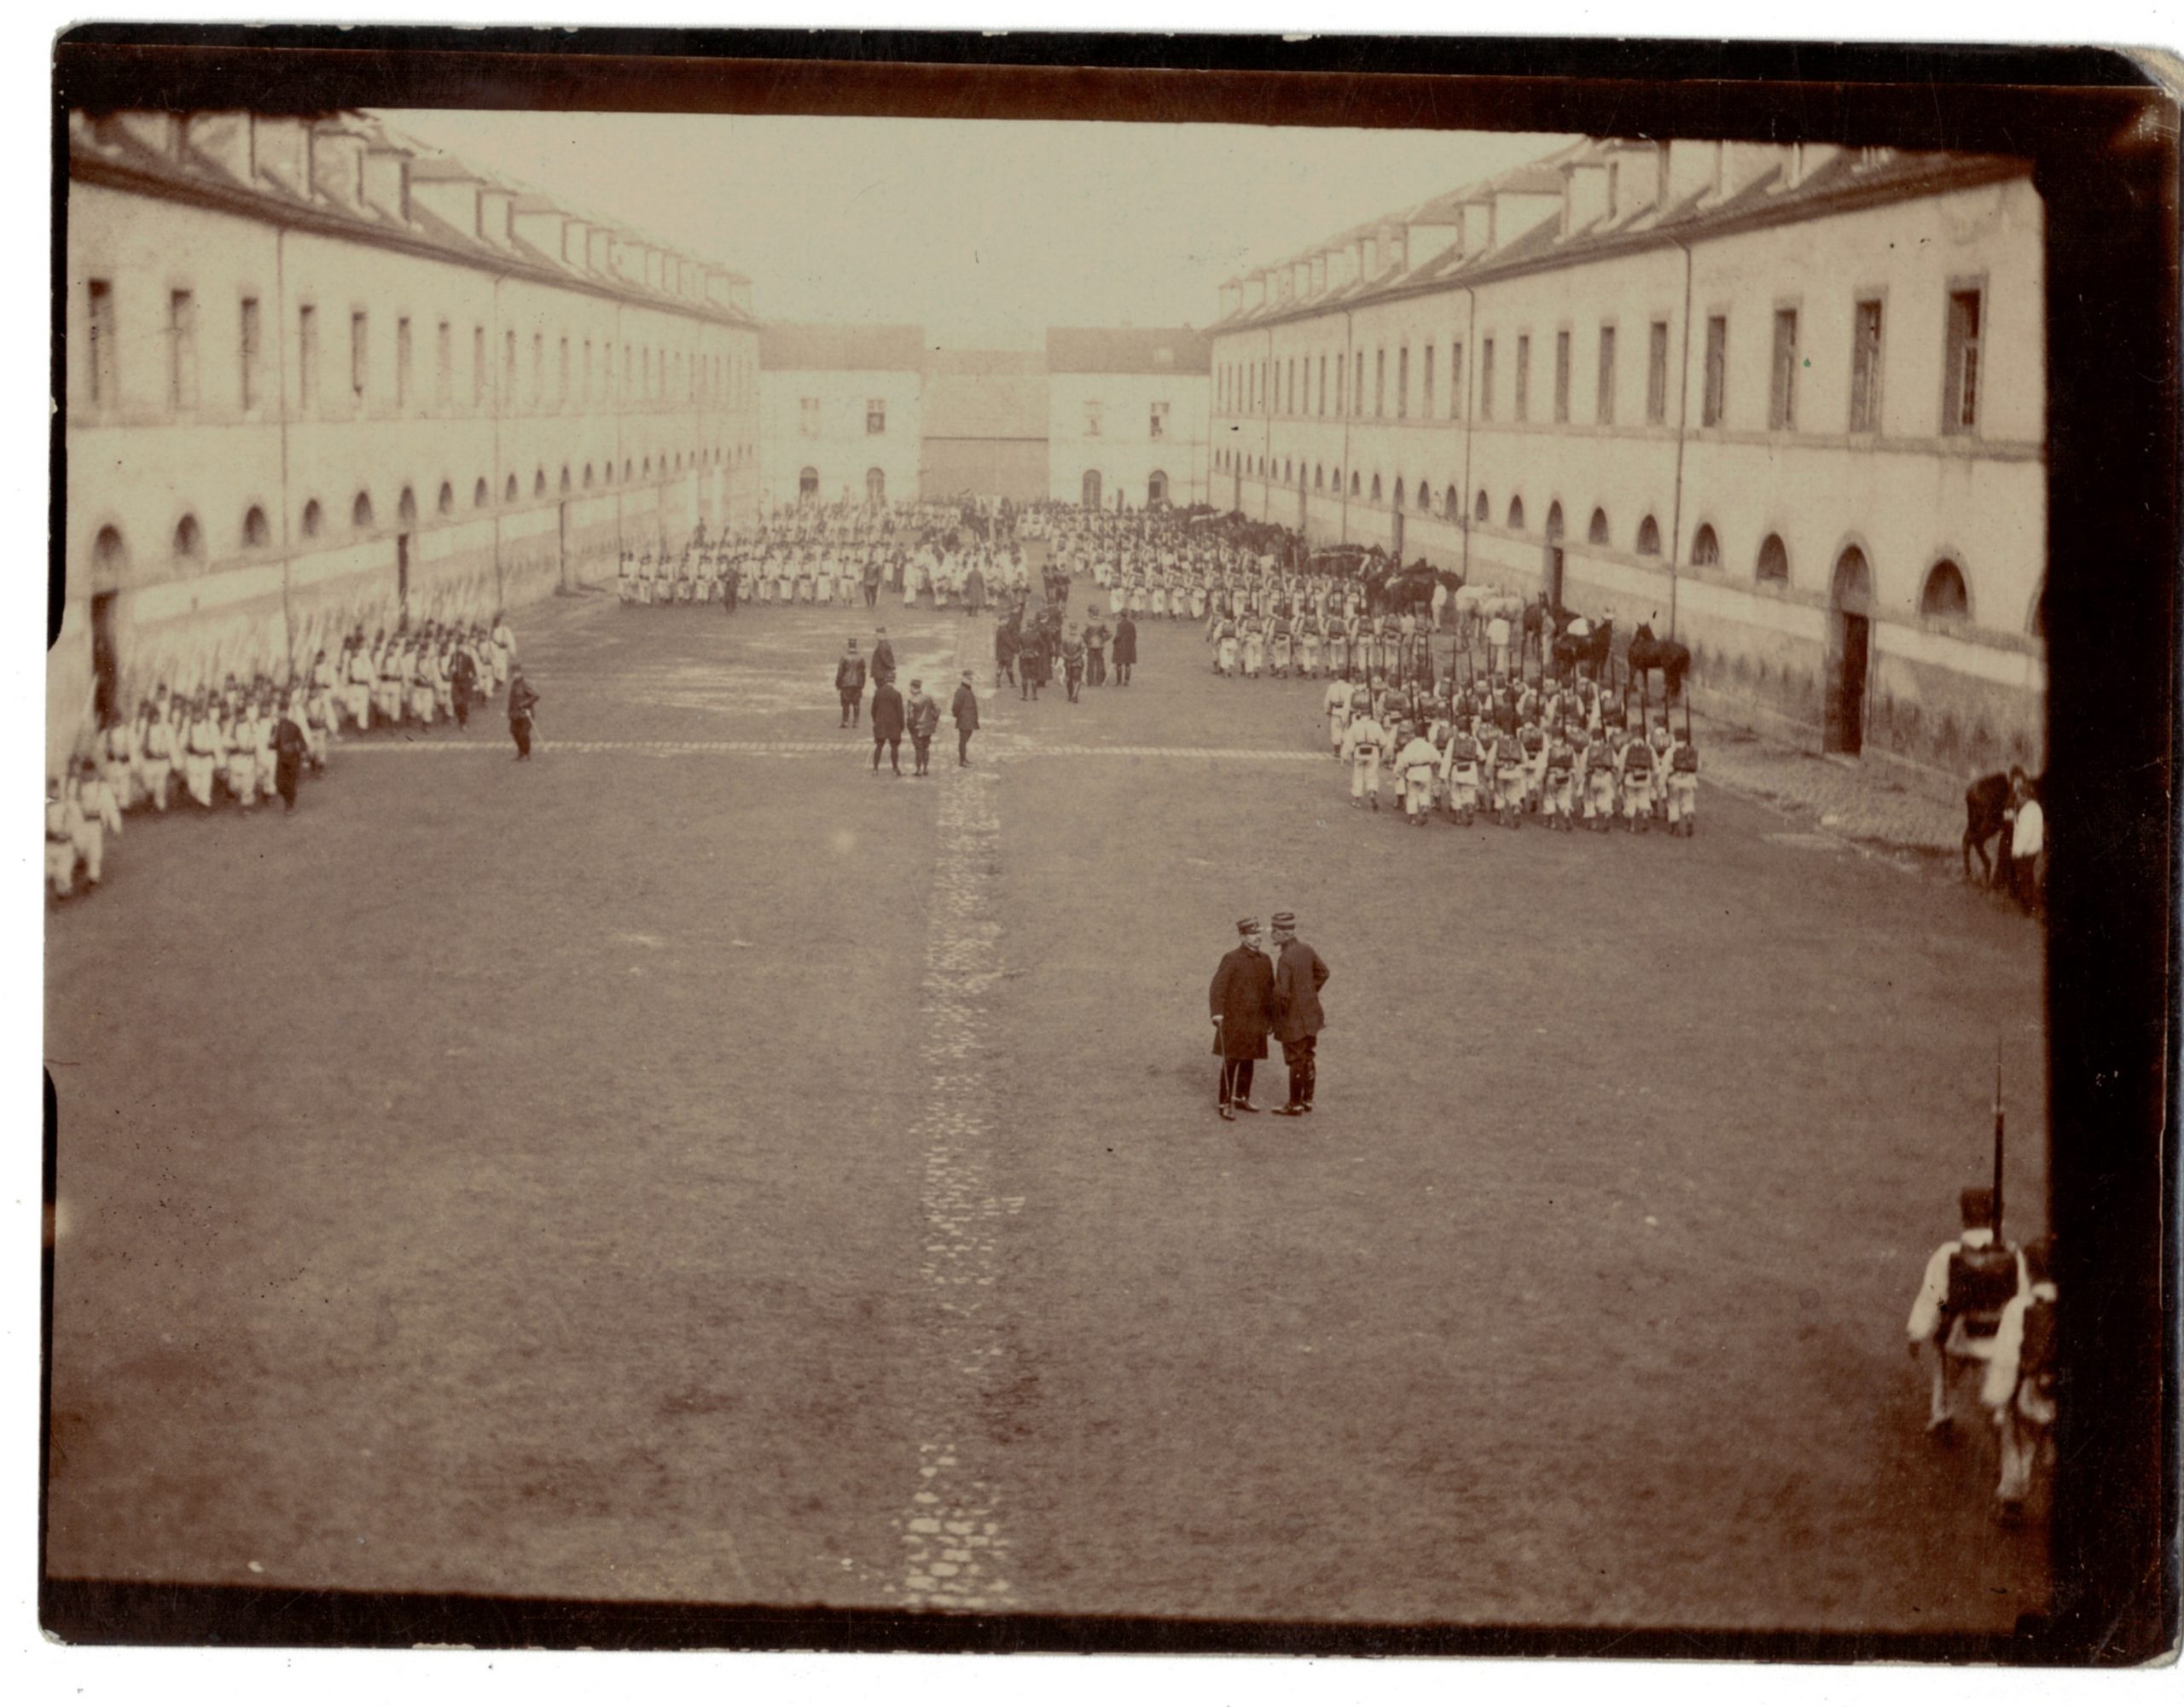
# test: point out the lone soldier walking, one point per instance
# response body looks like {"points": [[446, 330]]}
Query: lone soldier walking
{"points": [[1242, 1000], [522, 702], [849, 683], [965, 710], [1299, 1019]]}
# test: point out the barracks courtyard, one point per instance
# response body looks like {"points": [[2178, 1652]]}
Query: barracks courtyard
{"points": [[687, 1167]]}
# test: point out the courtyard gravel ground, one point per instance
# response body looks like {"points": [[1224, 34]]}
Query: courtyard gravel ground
{"points": [[687, 1166]]}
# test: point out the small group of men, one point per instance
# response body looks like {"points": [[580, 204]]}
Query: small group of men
{"points": [[1986, 1305], [1254, 997], [892, 716], [1027, 650], [421, 675], [1515, 750]]}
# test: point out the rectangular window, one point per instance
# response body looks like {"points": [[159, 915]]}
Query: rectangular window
{"points": [[1561, 376], [477, 367], [1865, 366], [360, 352], [562, 395], [585, 394], [1289, 385], [1379, 382], [402, 363], [252, 343], [1456, 381], [1657, 373], [1782, 388], [1717, 359], [507, 373], [1094, 413], [101, 366], [1323, 385], [875, 415], [444, 371], [1604, 395], [306, 357], [1486, 379], [1524, 397], [538, 369], [1960, 404], [181, 349], [807, 420], [1425, 385], [1402, 383], [1156, 425], [1341, 383], [628, 364]]}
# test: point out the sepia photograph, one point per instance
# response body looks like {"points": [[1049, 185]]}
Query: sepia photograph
{"points": [[1416, 1003]]}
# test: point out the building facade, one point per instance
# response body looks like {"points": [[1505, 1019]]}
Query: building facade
{"points": [[319, 376], [986, 424], [1786, 402], [842, 410], [1127, 414]]}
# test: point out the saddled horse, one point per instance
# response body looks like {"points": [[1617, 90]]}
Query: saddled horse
{"points": [[1672, 658], [1590, 654]]}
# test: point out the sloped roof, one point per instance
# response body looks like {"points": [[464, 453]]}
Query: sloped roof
{"points": [[1127, 350], [809, 347], [985, 362]]}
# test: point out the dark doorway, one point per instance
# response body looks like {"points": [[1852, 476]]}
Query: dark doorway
{"points": [[402, 573], [1850, 654], [1554, 556], [1395, 534], [1090, 494], [105, 666]]}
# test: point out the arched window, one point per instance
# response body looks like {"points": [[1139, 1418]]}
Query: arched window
{"points": [[1946, 596], [1554, 520], [1705, 548], [875, 486], [1649, 538], [480, 494], [509, 496], [1353, 483], [1285, 471], [564, 477], [109, 558], [587, 476], [627, 471], [1399, 492], [1376, 488], [1773, 561], [1453, 505], [807, 484], [314, 519], [648, 468], [447, 498], [2038, 624], [189, 541], [405, 507], [360, 513], [1319, 477], [1516, 515], [1425, 497], [1480, 511], [538, 484], [1596, 531], [257, 532]]}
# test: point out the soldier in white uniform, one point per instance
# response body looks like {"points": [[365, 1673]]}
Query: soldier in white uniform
{"points": [[155, 755], [1683, 788], [1336, 699], [1968, 1283], [1362, 743], [96, 812], [1415, 764], [2019, 1386]]}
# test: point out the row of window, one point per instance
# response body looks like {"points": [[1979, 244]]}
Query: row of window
{"points": [[875, 484], [579, 377], [1095, 420], [1286, 387], [807, 417], [257, 533]]}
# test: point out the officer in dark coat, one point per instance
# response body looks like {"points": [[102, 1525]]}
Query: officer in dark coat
{"points": [[849, 683], [887, 726], [1242, 1000], [883, 661], [1125, 648], [1299, 1019]]}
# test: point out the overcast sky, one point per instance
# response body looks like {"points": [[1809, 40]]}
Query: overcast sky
{"points": [[986, 232]]}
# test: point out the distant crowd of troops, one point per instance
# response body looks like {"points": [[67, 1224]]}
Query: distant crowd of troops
{"points": [[244, 743]]}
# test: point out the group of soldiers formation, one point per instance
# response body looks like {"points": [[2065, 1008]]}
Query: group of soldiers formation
{"points": [[245, 742], [950, 553]]}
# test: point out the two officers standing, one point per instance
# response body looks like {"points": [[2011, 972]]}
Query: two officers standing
{"points": [[1253, 997]]}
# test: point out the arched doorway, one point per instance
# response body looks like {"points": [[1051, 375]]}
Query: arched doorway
{"points": [[1554, 555], [1849, 644], [1090, 494], [875, 486], [1155, 488], [109, 562], [807, 486]]}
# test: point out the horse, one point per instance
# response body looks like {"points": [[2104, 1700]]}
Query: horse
{"points": [[1986, 816], [1590, 653], [1671, 656]]}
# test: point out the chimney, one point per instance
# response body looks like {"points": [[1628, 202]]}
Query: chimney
{"points": [[387, 170], [1693, 168], [1232, 298], [1744, 164], [1255, 291], [281, 149], [1585, 195], [223, 138], [494, 206], [336, 166], [537, 222], [1429, 241]]}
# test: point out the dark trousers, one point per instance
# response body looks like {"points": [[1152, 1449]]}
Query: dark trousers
{"points": [[520, 728], [852, 706], [1096, 668], [287, 773], [922, 746], [1074, 681], [1303, 1059], [1235, 1082], [871, 596], [894, 745], [1122, 675], [963, 746]]}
